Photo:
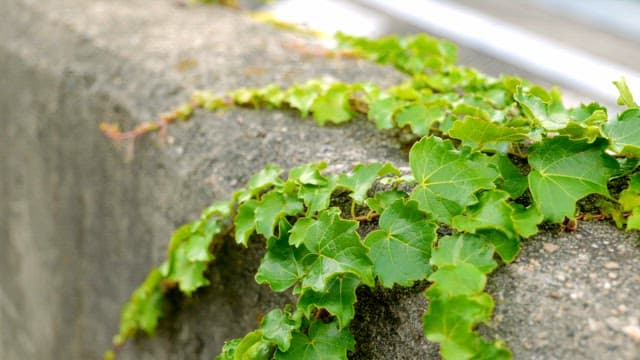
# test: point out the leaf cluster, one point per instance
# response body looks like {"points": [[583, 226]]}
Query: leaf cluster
{"points": [[495, 158]]}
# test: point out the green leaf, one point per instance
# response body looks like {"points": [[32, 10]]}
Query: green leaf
{"points": [[419, 118], [277, 327], [189, 274], [401, 249], [464, 249], [590, 114], [382, 112], [447, 178], [633, 221], [179, 235], [336, 249], [144, 309], [564, 171], [548, 113], [309, 174], [337, 300], [363, 176], [323, 342], [454, 280], [630, 197], [253, 346], [625, 97], [333, 106], [511, 179], [491, 212], [630, 201], [245, 221], [576, 131], [275, 205], [624, 133], [229, 350], [282, 265], [302, 96], [299, 231], [506, 246], [480, 132], [450, 321], [317, 198], [197, 248], [382, 200], [264, 179], [525, 220], [271, 95]]}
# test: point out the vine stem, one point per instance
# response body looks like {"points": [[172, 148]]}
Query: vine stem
{"points": [[368, 217]]}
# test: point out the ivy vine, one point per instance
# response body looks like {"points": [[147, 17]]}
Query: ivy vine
{"points": [[493, 159]]}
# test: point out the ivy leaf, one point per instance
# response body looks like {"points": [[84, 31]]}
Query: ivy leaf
{"points": [[506, 246], [511, 179], [144, 309], [382, 200], [633, 221], [526, 220], [363, 176], [624, 133], [197, 248], [548, 113], [401, 249], [590, 114], [382, 112], [447, 178], [245, 221], [272, 207], [299, 231], [333, 106], [461, 279], [494, 212], [178, 237], [419, 118], [302, 96], [309, 174], [265, 178], [491, 212], [563, 171], [338, 299], [229, 350], [336, 249], [272, 95], [630, 197], [450, 321], [577, 131], [253, 346], [282, 265], [630, 201], [324, 342], [318, 197], [187, 273], [480, 131], [625, 97], [464, 248], [277, 327]]}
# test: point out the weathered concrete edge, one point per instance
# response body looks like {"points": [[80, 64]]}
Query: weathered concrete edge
{"points": [[76, 264], [65, 94]]}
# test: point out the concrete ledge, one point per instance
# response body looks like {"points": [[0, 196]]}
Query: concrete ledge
{"points": [[79, 227]]}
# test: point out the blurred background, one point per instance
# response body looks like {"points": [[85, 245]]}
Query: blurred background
{"points": [[579, 45]]}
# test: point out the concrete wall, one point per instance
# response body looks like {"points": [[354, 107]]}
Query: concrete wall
{"points": [[80, 227]]}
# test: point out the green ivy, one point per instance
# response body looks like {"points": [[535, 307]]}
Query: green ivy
{"points": [[493, 159]]}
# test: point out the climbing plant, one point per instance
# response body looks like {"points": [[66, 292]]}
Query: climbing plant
{"points": [[492, 159]]}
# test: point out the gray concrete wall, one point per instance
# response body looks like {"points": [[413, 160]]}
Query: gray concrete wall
{"points": [[80, 227]]}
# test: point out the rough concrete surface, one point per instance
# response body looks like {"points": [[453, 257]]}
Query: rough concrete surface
{"points": [[80, 227]]}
